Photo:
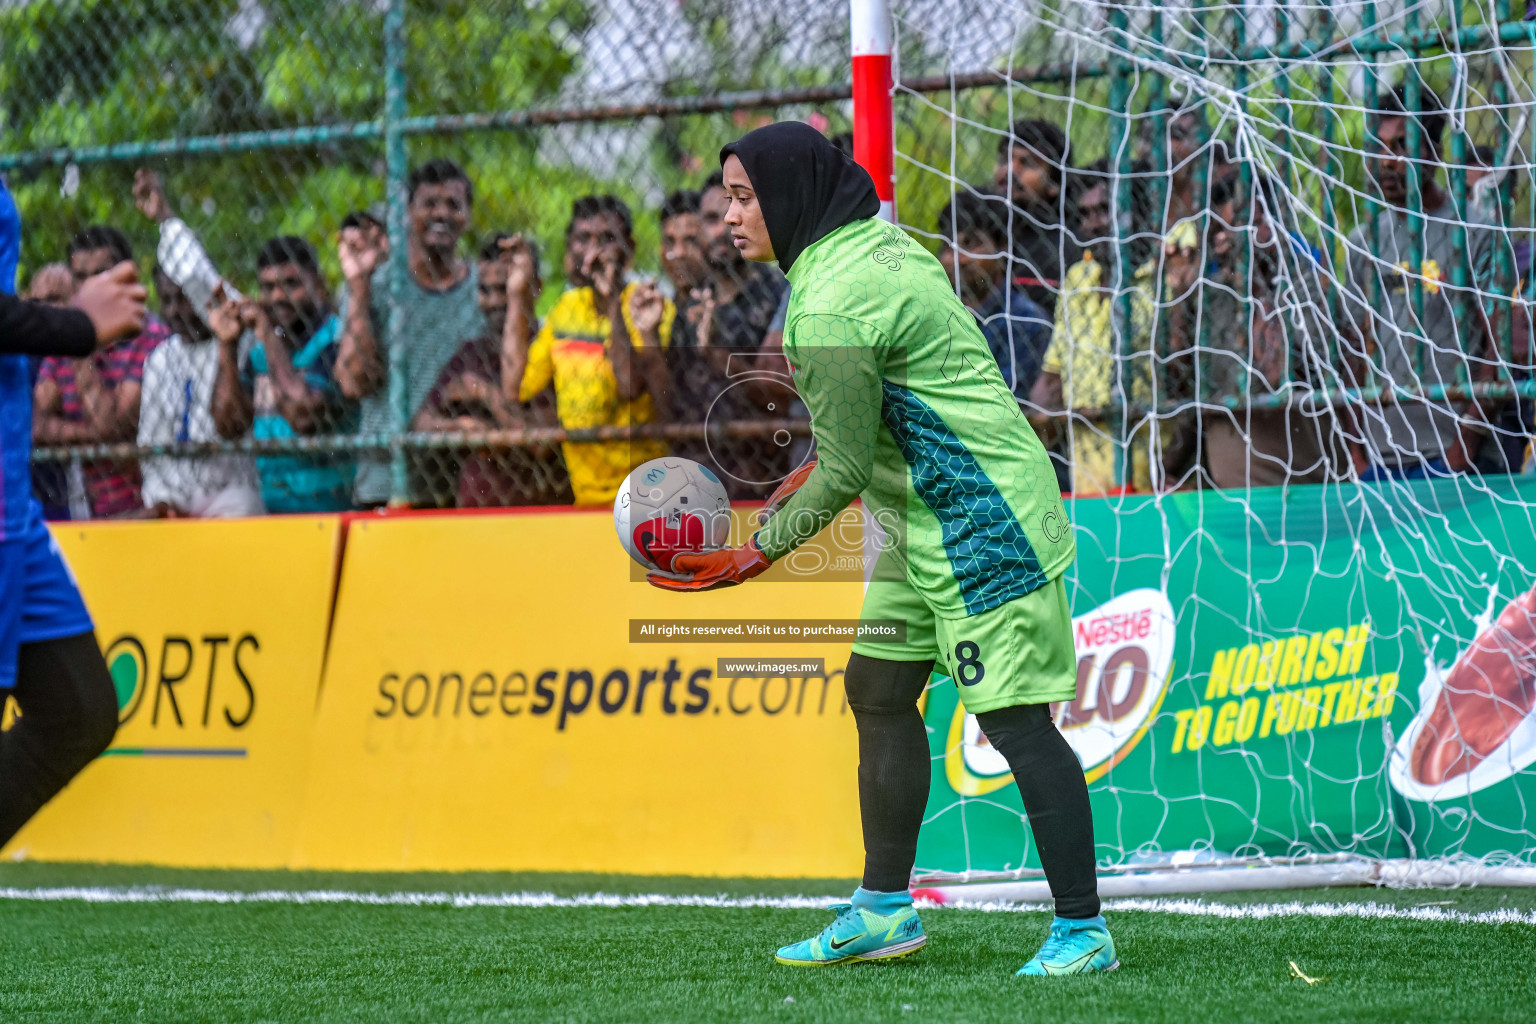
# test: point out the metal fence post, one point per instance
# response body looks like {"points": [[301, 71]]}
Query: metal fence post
{"points": [[1505, 280], [1461, 272], [1413, 99], [1331, 167], [1372, 146], [394, 188], [1122, 226]]}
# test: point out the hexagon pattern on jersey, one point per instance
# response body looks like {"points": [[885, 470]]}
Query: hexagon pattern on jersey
{"points": [[901, 384], [993, 560]]}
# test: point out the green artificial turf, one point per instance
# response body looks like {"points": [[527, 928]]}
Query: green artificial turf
{"points": [[74, 961]]}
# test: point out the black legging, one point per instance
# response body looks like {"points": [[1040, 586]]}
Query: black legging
{"points": [[894, 770], [68, 717]]}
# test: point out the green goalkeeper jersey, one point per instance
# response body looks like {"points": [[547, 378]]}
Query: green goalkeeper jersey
{"points": [[910, 410]]}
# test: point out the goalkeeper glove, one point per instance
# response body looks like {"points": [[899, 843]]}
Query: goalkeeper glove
{"points": [[782, 493], [710, 570]]}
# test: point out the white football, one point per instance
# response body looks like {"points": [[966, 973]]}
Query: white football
{"points": [[671, 505]]}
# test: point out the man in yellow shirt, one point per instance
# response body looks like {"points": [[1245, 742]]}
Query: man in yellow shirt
{"points": [[600, 346], [1078, 374]]}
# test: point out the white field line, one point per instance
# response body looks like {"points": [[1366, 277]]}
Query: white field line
{"points": [[156, 894], [1188, 907]]}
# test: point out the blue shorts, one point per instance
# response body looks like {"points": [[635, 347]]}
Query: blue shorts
{"points": [[38, 596]]}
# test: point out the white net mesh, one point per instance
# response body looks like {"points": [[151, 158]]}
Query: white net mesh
{"points": [[1267, 276]]}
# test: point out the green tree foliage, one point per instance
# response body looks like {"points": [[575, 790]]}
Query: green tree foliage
{"points": [[77, 73]]}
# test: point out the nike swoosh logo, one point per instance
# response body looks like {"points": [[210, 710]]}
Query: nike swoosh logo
{"points": [[839, 945], [1086, 956]]}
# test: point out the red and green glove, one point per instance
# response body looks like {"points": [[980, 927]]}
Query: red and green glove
{"points": [[726, 567], [711, 570]]}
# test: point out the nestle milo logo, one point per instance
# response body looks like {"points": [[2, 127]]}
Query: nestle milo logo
{"points": [[1124, 654]]}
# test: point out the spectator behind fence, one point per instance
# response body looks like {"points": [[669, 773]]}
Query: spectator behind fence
{"points": [[59, 487], [285, 386], [1030, 174], [469, 398], [601, 347], [1191, 159], [438, 308], [1484, 181], [1411, 437], [695, 381], [1081, 374], [97, 400], [363, 230], [179, 380], [682, 249], [1513, 421], [1263, 338], [973, 248], [53, 284], [1483, 159], [276, 374]]}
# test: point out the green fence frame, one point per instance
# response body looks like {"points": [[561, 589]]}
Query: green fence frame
{"points": [[1123, 69]]}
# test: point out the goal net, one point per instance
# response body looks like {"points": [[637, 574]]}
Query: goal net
{"points": [[1259, 275]]}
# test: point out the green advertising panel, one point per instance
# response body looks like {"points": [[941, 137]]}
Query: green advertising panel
{"points": [[1280, 672]]}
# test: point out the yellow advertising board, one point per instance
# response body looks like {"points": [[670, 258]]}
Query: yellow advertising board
{"points": [[485, 707], [215, 635]]}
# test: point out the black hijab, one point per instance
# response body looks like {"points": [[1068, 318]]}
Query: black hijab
{"points": [[806, 186]]}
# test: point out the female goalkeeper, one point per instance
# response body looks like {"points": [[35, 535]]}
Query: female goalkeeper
{"points": [[909, 410]]}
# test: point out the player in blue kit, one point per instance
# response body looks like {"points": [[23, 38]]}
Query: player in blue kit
{"points": [[49, 661]]}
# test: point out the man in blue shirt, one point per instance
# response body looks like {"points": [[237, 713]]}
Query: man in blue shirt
{"points": [[286, 387], [973, 234], [49, 662]]}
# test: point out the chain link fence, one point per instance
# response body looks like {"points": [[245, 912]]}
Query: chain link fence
{"points": [[500, 176], [256, 160]]}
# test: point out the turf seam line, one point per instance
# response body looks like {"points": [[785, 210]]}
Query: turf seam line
{"points": [[534, 900]]}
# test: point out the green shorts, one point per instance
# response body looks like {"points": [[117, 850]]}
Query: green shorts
{"points": [[1017, 653]]}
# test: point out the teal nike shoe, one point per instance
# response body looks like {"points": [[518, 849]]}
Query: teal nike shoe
{"points": [[1074, 947], [858, 935]]}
